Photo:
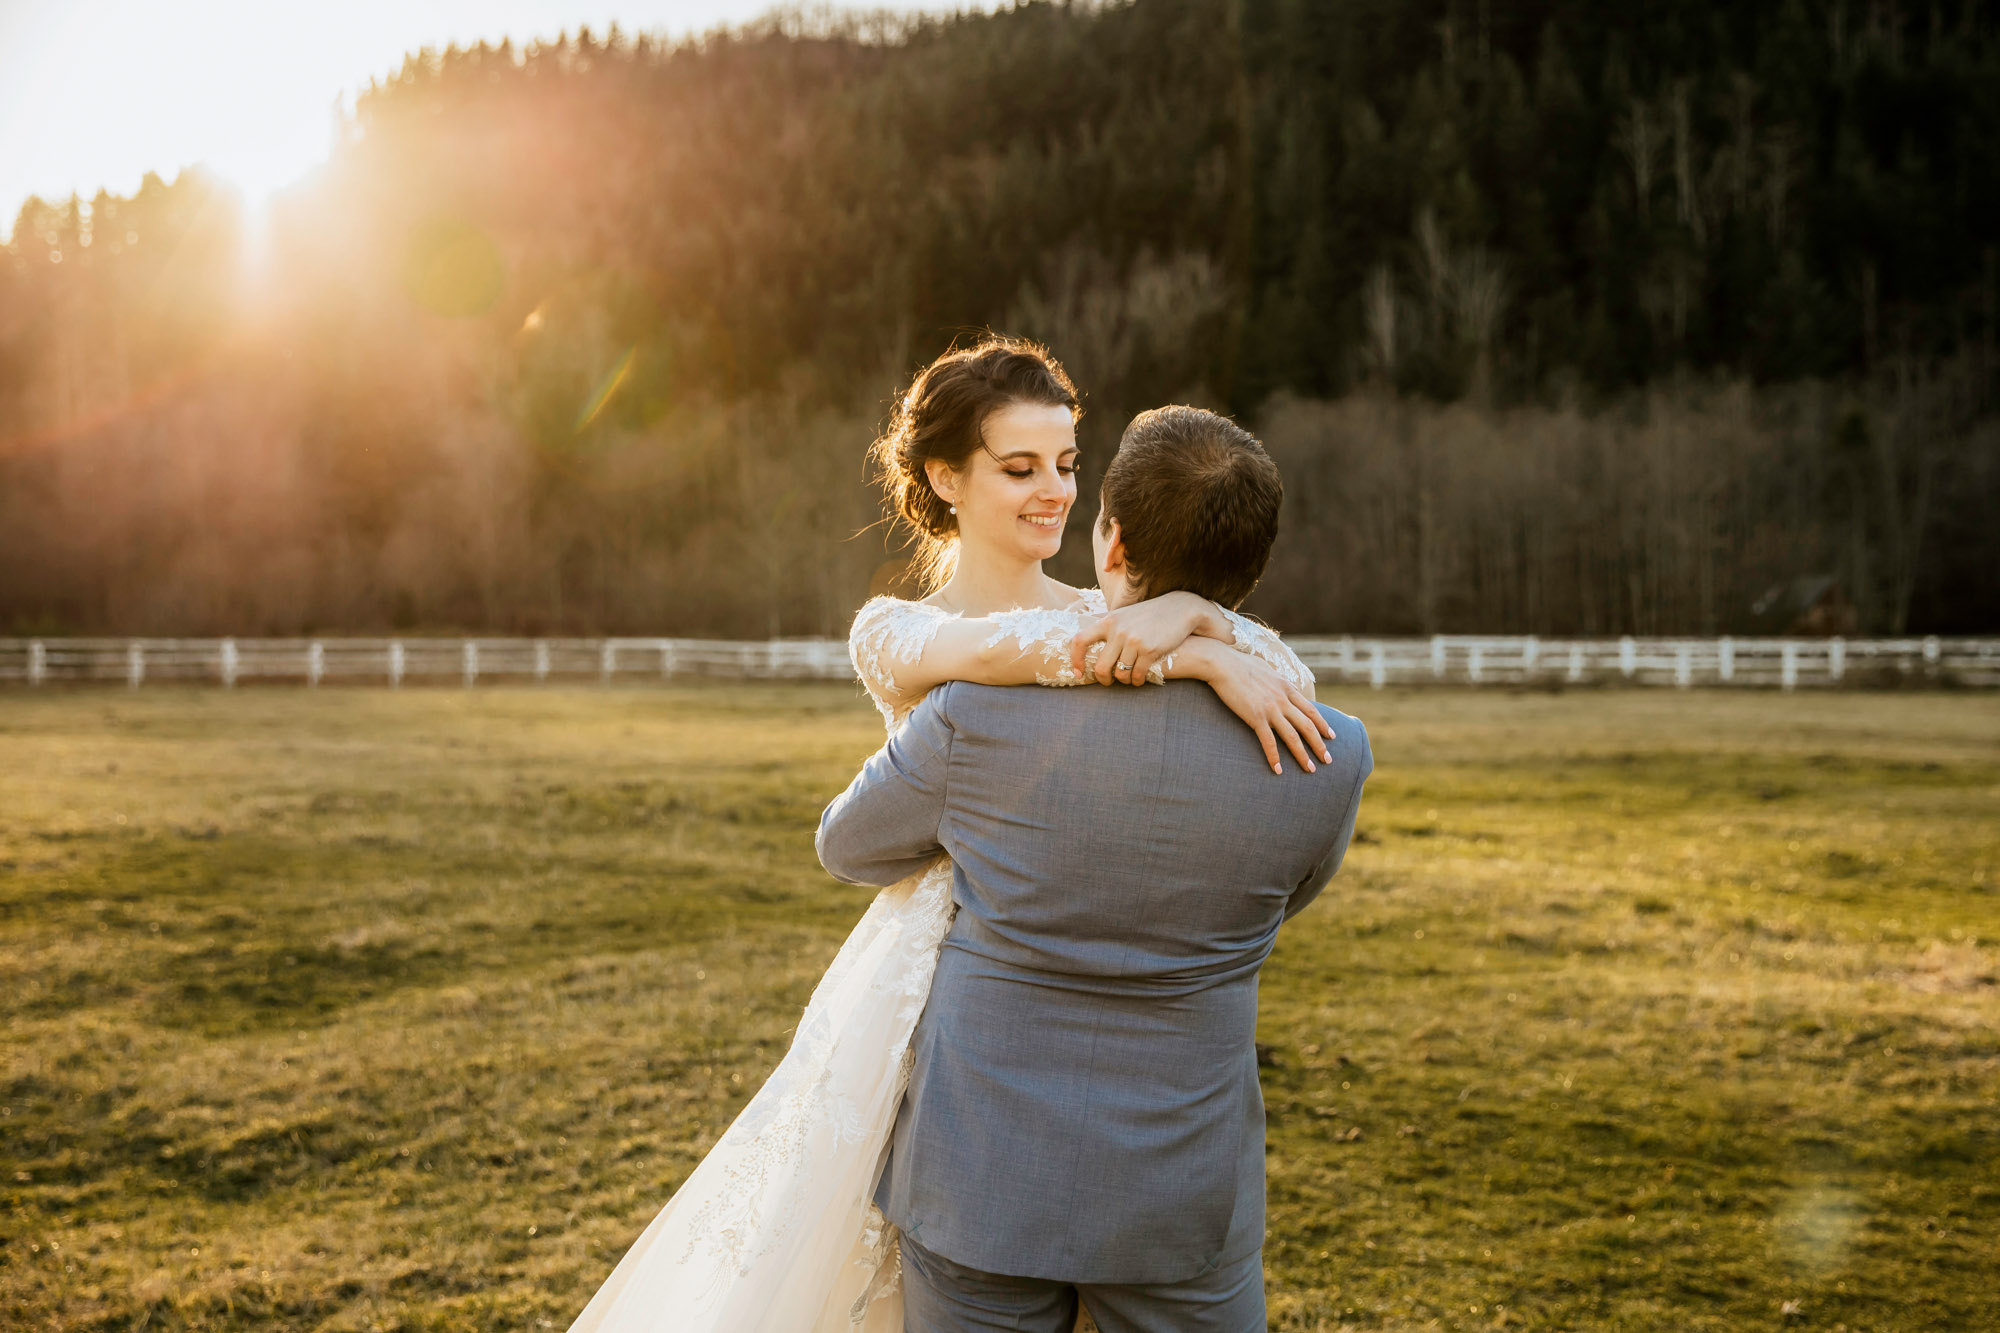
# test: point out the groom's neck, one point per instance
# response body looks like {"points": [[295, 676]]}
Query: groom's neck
{"points": [[1118, 590]]}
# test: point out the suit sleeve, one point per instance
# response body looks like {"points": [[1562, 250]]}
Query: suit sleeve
{"points": [[1346, 729], [884, 827]]}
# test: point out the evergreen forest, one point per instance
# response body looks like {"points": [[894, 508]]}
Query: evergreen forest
{"points": [[1560, 318]]}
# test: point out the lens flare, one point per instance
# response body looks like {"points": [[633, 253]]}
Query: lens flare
{"points": [[606, 388], [1815, 1227]]}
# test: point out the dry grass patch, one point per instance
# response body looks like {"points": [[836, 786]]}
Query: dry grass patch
{"points": [[357, 1010]]}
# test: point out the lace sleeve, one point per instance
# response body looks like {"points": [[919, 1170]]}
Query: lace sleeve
{"points": [[889, 632], [1263, 643], [1047, 635]]}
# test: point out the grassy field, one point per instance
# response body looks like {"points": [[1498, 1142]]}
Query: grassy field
{"points": [[353, 1010]]}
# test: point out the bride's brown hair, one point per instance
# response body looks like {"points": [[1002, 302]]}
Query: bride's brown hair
{"points": [[940, 416]]}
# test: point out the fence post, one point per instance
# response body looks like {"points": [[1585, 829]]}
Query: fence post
{"points": [[607, 661], [1378, 675], [229, 664], [1932, 650], [469, 657], [315, 663], [1684, 666], [135, 664], [1576, 661], [1437, 656], [1473, 660], [666, 657], [1531, 653], [1628, 659], [1725, 659], [395, 664], [38, 662], [1346, 656], [1788, 672], [541, 659], [1836, 658]]}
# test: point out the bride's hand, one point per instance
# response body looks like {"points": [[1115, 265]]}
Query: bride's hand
{"points": [[1137, 636], [1269, 704]]}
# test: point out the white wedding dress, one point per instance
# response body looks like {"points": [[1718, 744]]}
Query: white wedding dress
{"points": [[775, 1231]]}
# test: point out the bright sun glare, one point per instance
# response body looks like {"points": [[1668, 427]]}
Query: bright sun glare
{"points": [[247, 87], [261, 169], [246, 90]]}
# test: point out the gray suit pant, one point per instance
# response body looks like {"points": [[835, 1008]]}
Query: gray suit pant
{"points": [[940, 1296]]}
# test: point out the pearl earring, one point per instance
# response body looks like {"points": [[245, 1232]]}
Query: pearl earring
{"points": [[954, 509]]}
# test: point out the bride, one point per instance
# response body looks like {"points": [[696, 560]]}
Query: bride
{"points": [[775, 1230]]}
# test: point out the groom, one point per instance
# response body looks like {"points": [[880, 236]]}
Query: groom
{"points": [[1083, 1119]]}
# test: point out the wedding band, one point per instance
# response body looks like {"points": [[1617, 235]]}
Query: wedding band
{"points": [[1124, 666]]}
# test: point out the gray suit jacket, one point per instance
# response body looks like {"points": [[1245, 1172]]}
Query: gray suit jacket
{"points": [[1084, 1104]]}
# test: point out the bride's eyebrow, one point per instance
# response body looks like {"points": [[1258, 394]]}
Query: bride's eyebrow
{"points": [[1026, 453]]}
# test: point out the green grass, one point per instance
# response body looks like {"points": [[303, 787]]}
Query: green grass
{"points": [[354, 1010]]}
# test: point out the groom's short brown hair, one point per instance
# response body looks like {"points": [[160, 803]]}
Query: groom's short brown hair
{"points": [[1196, 498]]}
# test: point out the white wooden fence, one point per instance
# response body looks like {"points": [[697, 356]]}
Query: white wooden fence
{"points": [[1444, 659], [1526, 660], [392, 662]]}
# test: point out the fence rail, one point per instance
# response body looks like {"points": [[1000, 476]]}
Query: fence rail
{"points": [[1443, 659], [1523, 660], [393, 662]]}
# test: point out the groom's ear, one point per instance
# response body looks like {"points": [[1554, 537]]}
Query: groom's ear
{"points": [[1114, 547]]}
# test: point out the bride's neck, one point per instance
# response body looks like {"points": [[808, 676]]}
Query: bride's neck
{"points": [[979, 586]]}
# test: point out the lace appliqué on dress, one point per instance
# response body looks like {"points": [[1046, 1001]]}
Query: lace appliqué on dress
{"points": [[882, 1259], [1049, 633], [1263, 644], [889, 631]]}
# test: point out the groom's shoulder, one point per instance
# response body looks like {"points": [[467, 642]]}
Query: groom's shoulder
{"points": [[1022, 711], [956, 701], [1025, 711], [964, 700], [1349, 747]]}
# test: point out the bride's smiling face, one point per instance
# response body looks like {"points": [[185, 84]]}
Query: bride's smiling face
{"points": [[1014, 495]]}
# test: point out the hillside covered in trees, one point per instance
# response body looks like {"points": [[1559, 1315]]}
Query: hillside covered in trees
{"points": [[1560, 318]]}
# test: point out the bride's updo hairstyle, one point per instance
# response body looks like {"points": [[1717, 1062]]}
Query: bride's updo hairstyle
{"points": [[940, 416]]}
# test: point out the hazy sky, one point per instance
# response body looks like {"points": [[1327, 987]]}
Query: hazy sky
{"points": [[99, 92]]}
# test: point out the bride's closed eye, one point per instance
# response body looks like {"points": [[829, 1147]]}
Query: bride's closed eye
{"points": [[1068, 470]]}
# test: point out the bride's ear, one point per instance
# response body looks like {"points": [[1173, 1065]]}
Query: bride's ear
{"points": [[943, 480]]}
